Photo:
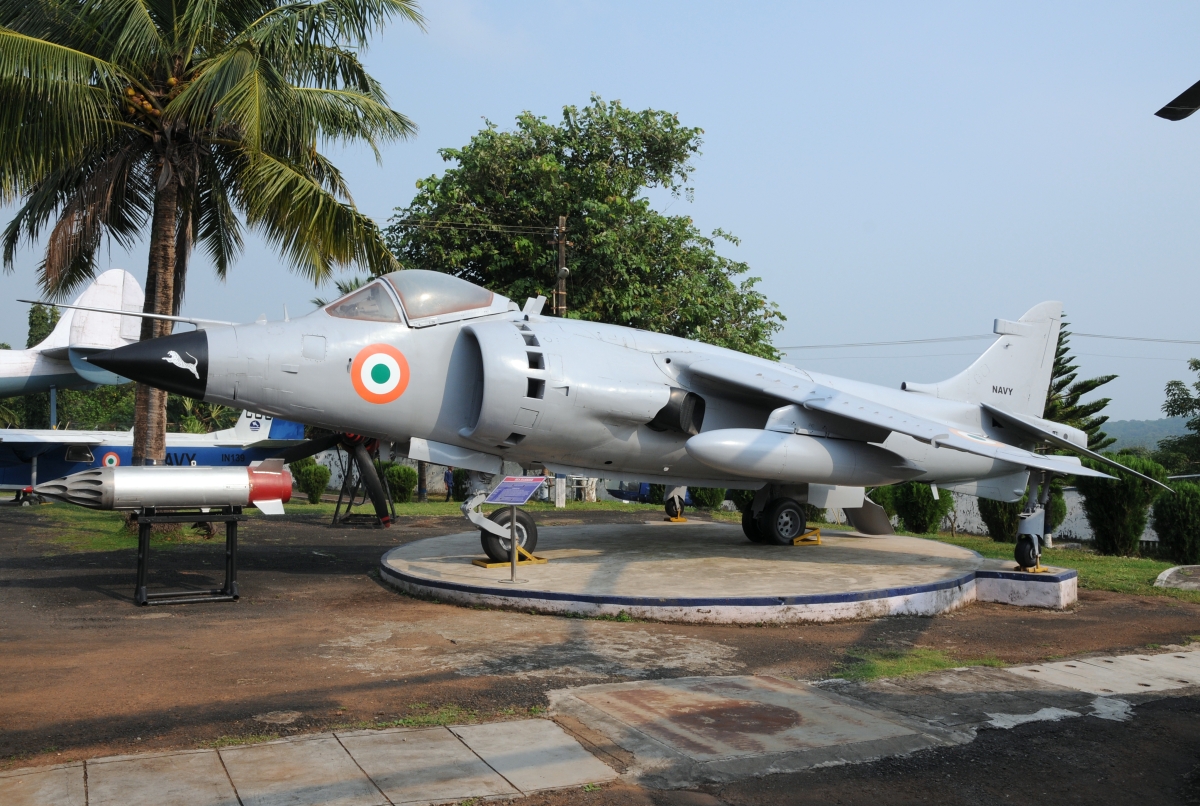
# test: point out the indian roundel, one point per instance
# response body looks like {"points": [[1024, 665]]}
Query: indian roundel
{"points": [[110, 459], [379, 373]]}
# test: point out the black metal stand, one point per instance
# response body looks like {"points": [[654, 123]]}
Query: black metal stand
{"points": [[146, 518], [354, 486]]}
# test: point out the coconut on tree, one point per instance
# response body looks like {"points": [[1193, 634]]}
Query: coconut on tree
{"points": [[188, 121]]}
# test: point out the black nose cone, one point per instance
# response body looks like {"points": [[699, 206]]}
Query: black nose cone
{"points": [[177, 363]]}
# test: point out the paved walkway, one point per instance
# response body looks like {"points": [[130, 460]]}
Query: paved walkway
{"points": [[358, 768], [659, 733]]}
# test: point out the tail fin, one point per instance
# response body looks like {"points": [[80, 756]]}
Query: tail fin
{"points": [[1014, 373], [93, 330]]}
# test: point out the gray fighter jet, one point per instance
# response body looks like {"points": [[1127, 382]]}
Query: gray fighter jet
{"points": [[459, 375]]}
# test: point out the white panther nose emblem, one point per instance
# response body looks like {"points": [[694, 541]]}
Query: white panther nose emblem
{"points": [[172, 357]]}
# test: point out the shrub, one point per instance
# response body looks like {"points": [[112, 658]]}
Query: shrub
{"points": [[311, 478], [401, 482], [658, 493], [707, 497], [459, 492], [814, 514], [1001, 518], [1117, 510], [742, 499], [918, 510], [1177, 522], [886, 498]]}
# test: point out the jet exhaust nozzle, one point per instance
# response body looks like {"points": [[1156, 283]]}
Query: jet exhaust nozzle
{"points": [[266, 485], [177, 363], [798, 458]]}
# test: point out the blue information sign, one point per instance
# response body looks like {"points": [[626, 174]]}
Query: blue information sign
{"points": [[515, 490]]}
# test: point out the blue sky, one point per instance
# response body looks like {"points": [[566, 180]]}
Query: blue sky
{"points": [[895, 171]]}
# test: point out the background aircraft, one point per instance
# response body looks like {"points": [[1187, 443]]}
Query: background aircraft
{"points": [[60, 361], [465, 377], [29, 455]]}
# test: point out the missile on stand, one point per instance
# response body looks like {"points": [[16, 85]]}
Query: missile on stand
{"points": [[266, 485]]}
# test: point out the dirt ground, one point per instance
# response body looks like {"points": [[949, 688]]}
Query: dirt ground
{"points": [[84, 673]]}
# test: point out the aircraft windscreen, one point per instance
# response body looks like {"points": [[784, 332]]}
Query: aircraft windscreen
{"points": [[431, 293], [371, 303]]}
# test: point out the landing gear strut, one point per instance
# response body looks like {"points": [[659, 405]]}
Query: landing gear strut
{"points": [[673, 504], [1028, 551]]}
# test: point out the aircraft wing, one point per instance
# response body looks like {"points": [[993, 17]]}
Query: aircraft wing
{"points": [[19, 436], [796, 389], [1021, 423]]}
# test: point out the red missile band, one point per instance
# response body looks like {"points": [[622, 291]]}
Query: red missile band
{"points": [[269, 486]]}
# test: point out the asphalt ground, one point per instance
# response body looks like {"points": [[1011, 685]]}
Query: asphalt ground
{"points": [[318, 639]]}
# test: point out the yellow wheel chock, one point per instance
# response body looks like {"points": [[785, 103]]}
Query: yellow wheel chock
{"points": [[809, 538], [523, 558]]}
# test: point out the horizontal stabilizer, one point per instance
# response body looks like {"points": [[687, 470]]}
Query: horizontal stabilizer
{"points": [[1057, 440], [1183, 106]]}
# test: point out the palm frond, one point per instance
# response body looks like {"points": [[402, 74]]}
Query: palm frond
{"points": [[315, 230]]}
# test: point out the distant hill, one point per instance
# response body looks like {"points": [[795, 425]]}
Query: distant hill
{"points": [[1143, 433]]}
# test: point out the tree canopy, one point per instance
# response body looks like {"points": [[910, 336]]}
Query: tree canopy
{"points": [[489, 219]]}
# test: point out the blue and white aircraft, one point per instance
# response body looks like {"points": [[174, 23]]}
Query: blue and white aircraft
{"points": [[29, 454]]}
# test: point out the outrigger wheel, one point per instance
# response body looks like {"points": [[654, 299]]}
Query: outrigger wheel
{"points": [[674, 507], [497, 548], [1026, 551]]}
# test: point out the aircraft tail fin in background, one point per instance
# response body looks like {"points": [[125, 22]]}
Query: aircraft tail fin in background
{"points": [[1014, 373], [91, 331]]}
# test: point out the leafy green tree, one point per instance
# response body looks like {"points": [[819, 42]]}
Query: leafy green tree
{"points": [[1182, 454], [487, 219], [187, 119], [35, 409], [707, 497], [1117, 510], [1176, 521]]}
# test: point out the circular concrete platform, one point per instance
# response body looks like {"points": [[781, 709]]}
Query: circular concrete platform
{"points": [[706, 572]]}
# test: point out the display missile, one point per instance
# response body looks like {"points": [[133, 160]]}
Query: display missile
{"points": [[266, 485]]}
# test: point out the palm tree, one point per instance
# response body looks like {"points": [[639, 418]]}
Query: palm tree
{"points": [[194, 118]]}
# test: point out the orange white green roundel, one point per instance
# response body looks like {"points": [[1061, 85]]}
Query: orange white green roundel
{"points": [[379, 373], [110, 459]]}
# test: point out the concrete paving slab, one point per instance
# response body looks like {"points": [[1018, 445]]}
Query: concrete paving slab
{"points": [[692, 730], [534, 754], [194, 778], [423, 766], [708, 719], [1124, 674], [1146, 671], [299, 772], [60, 785]]}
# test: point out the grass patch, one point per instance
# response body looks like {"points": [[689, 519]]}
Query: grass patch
{"points": [[1134, 575], [82, 529], [870, 665], [232, 741]]}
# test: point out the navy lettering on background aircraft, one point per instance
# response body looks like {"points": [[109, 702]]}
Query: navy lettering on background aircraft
{"points": [[1002, 390]]}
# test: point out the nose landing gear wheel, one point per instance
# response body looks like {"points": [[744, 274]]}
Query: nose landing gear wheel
{"points": [[750, 527], [782, 521], [1026, 552], [497, 548]]}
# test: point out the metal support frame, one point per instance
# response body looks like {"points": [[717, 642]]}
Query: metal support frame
{"points": [[146, 518], [352, 487]]}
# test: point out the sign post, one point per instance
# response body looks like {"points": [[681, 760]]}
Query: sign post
{"points": [[514, 491]]}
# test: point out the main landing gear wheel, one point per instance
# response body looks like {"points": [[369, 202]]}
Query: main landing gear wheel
{"points": [[781, 522], [497, 548], [750, 527], [674, 507], [1026, 552]]}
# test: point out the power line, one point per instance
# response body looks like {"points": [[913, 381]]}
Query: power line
{"points": [[969, 338]]}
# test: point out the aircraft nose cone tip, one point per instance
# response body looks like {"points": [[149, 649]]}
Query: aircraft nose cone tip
{"points": [[176, 363]]}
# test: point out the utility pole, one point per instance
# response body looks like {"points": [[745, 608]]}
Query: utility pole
{"points": [[559, 305]]}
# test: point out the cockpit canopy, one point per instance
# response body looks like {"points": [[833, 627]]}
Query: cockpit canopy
{"points": [[427, 297]]}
